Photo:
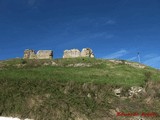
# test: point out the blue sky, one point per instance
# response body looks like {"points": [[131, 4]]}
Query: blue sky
{"points": [[112, 28]]}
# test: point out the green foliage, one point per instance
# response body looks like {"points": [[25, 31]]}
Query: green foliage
{"points": [[123, 62], [24, 61], [148, 76]]}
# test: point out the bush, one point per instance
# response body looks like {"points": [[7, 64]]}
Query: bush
{"points": [[24, 61], [148, 76]]}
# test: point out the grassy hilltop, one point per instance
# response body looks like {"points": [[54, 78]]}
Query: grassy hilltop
{"points": [[75, 89]]}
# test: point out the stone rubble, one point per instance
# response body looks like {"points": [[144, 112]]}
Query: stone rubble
{"points": [[133, 91], [135, 65]]}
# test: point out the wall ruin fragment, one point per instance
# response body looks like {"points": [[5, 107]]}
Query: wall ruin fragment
{"points": [[73, 53], [41, 54]]}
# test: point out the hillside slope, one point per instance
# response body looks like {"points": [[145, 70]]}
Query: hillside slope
{"points": [[78, 89]]}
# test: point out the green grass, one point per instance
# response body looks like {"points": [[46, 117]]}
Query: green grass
{"points": [[101, 71], [30, 89]]}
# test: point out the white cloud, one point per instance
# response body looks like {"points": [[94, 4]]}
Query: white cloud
{"points": [[154, 61], [31, 2], [102, 34], [117, 54], [150, 56], [132, 58], [110, 22]]}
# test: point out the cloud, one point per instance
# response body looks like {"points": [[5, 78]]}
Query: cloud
{"points": [[31, 2], [117, 54], [132, 58], [150, 56], [110, 22], [154, 62], [100, 34], [92, 22]]}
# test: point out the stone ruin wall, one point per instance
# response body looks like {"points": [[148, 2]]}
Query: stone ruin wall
{"points": [[48, 54], [41, 54], [73, 53], [87, 52], [29, 54], [45, 54]]}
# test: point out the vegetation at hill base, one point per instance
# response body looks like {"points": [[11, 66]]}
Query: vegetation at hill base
{"points": [[76, 89]]}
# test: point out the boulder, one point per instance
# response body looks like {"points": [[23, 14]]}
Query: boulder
{"points": [[118, 91]]}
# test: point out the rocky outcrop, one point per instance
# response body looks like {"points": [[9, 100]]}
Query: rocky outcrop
{"points": [[80, 65], [133, 64], [118, 91], [41, 54], [12, 118], [135, 91], [73, 53]]}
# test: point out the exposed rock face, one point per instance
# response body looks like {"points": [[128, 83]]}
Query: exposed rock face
{"points": [[87, 52], [45, 54], [73, 53], [135, 90], [118, 92], [135, 65], [79, 65], [41, 54], [12, 118]]}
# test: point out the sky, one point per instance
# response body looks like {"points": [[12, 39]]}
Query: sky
{"points": [[116, 29]]}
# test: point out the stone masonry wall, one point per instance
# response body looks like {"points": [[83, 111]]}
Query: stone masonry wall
{"points": [[48, 54], [44, 54], [41, 54], [73, 53]]}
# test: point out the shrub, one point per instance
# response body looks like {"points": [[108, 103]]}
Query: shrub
{"points": [[24, 61], [148, 76]]}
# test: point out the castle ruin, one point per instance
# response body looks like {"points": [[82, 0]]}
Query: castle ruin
{"points": [[41, 54], [87, 52], [73, 53], [48, 54]]}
